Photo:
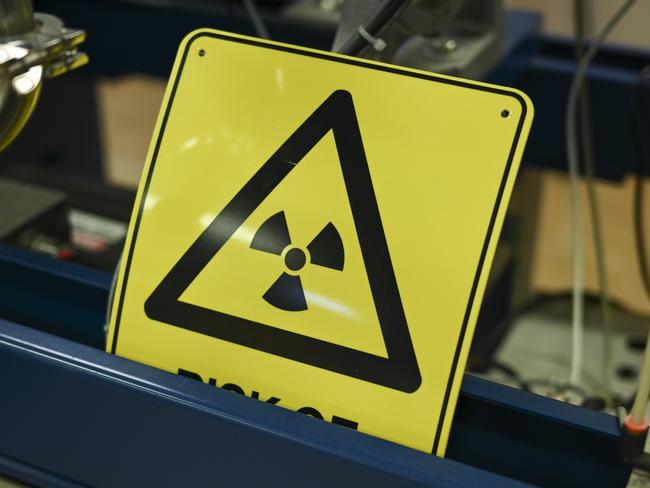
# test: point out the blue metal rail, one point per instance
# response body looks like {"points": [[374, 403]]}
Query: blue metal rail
{"points": [[73, 413], [100, 420]]}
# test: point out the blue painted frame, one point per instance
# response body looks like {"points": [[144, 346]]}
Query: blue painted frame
{"points": [[101, 420], [63, 414]]}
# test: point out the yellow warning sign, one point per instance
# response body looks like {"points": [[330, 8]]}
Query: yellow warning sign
{"points": [[315, 231]]}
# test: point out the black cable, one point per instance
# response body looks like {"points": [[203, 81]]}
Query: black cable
{"points": [[491, 364], [498, 333], [557, 387], [530, 384], [482, 361], [642, 161], [505, 369], [380, 18], [642, 462]]}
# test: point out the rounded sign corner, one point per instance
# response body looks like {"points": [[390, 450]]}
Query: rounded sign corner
{"points": [[527, 106], [192, 36]]}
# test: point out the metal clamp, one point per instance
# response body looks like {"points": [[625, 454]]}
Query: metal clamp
{"points": [[378, 44], [33, 47]]}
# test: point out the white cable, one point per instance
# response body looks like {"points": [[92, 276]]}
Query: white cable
{"points": [[601, 266], [637, 414], [577, 319], [599, 243]]}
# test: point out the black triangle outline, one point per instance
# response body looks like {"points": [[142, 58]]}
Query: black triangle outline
{"points": [[400, 369]]}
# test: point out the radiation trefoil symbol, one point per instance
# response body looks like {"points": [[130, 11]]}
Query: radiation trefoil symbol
{"points": [[326, 250], [398, 369]]}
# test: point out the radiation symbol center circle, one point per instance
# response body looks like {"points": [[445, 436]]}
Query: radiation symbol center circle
{"points": [[295, 259]]}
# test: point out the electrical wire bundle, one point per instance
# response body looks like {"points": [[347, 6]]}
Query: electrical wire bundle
{"points": [[576, 210], [590, 173], [634, 430]]}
